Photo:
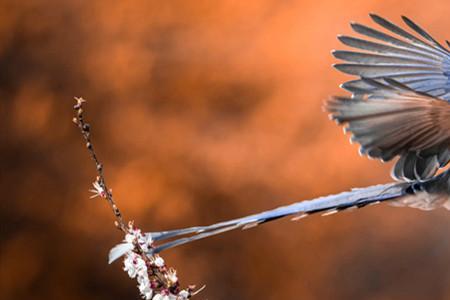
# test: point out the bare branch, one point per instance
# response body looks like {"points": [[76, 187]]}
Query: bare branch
{"points": [[101, 189]]}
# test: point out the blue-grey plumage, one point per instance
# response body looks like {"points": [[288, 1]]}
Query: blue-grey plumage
{"points": [[424, 195], [411, 74], [392, 120], [422, 64], [400, 107], [326, 205]]}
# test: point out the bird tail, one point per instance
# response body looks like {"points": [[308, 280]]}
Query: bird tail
{"points": [[356, 198]]}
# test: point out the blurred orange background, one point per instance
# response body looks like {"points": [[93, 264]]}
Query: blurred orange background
{"points": [[201, 111]]}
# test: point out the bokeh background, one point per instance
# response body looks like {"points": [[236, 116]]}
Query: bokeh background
{"points": [[201, 111]]}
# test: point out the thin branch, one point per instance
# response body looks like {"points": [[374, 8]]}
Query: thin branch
{"points": [[104, 191], [156, 280]]}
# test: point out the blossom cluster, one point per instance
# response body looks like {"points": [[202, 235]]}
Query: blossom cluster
{"points": [[155, 280]]}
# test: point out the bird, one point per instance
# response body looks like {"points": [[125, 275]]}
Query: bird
{"points": [[399, 108]]}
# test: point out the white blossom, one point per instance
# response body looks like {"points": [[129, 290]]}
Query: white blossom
{"points": [[158, 261], [129, 264], [97, 190], [172, 276], [151, 287], [162, 297], [134, 265], [145, 289], [141, 267], [129, 238], [183, 295], [145, 241], [135, 236]]}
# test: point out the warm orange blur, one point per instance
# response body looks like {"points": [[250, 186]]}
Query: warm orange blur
{"points": [[201, 111]]}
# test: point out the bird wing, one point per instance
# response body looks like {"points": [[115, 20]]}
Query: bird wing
{"points": [[417, 61], [395, 120]]}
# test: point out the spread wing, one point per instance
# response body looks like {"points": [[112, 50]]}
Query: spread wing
{"points": [[418, 61], [394, 120]]}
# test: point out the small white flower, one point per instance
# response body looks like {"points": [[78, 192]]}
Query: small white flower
{"points": [[147, 294], [97, 190], [145, 289], [136, 232], [129, 238], [161, 297], [142, 278], [129, 264], [141, 267], [134, 265], [145, 241], [183, 295], [172, 276], [79, 100], [157, 261]]}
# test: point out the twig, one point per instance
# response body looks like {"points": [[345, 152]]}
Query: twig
{"points": [[85, 131], [156, 280]]}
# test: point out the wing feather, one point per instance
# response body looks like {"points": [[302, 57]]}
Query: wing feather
{"points": [[393, 120], [419, 62]]}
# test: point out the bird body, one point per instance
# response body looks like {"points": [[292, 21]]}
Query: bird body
{"points": [[399, 108]]}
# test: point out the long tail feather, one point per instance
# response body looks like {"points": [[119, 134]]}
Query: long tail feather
{"points": [[355, 198]]}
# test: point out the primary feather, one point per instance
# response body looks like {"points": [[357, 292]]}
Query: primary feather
{"points": [[395, 121], [401, 100], [419, 62]]}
